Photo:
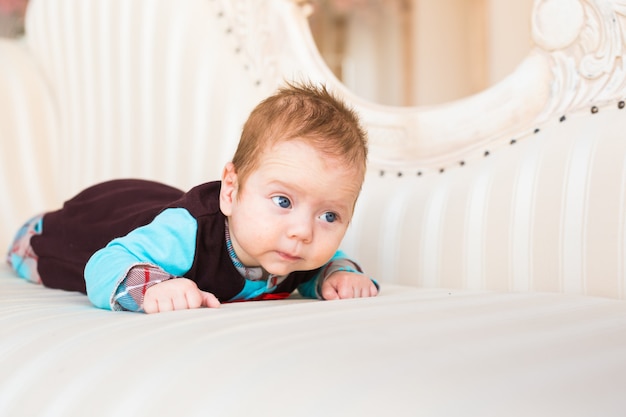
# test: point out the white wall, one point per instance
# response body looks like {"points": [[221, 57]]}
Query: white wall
{"points": [[442, 50], [464, 46], [452, 48], [374, 47], [509, 36]]}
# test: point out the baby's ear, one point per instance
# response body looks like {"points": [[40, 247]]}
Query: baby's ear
{"points": [[228, 191]]}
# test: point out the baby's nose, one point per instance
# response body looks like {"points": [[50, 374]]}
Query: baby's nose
{"points": [[301, 229]]}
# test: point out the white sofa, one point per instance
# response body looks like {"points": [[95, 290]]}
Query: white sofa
{"points": [[495, 224]]}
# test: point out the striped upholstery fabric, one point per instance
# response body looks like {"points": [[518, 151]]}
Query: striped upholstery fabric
{"points": [[110, 89], [28, 139], [546, 213], [498, 191], [141, 91]]}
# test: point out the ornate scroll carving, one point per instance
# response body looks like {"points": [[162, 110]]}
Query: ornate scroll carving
{"points": [[249, 22], [585, 40], [577, 63]]}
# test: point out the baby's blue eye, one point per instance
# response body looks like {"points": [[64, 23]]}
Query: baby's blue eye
{"points": [[281, 201], [329, 216]]}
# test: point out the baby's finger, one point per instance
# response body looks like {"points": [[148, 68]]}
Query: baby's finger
{"points": [[346, 290], [373, 290], [209, 300], [329, 292], [150, 306], [177, 302], [369, 291]]}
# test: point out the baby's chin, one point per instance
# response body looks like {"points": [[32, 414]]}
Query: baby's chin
{"points": [[279, 271], [286, 271]]}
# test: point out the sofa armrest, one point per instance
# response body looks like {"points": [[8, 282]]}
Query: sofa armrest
{"points": [[28, 133]]}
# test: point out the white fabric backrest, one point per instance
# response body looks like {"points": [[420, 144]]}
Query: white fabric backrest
{"points": [[28, 139], [518, 188], [149, 88], [545, 213]]}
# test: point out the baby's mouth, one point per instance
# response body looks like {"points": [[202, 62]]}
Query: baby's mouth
{"points": [[288, 257]]}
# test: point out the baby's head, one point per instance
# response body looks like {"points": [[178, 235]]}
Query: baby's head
{"points": [[290, 190], [306, 112]]}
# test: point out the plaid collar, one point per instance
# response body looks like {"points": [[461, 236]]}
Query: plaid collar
{"points": [[255, 273]]}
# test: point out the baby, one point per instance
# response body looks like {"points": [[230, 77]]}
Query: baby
{"points": [[273, 223]]}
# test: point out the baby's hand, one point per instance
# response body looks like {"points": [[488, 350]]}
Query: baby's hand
{"points": [[177, 294], [342, 284]]}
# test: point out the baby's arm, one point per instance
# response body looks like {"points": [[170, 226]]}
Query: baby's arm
{"points": [[167, 244], [339, 278], [342, 284], [177, 294], [131, 292]]}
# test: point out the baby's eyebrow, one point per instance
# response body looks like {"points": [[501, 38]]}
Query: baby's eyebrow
{"points": [[340, 206], [285, 185]]}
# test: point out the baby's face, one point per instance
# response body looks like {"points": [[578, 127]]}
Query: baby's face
{"points": [[293, 211]]}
